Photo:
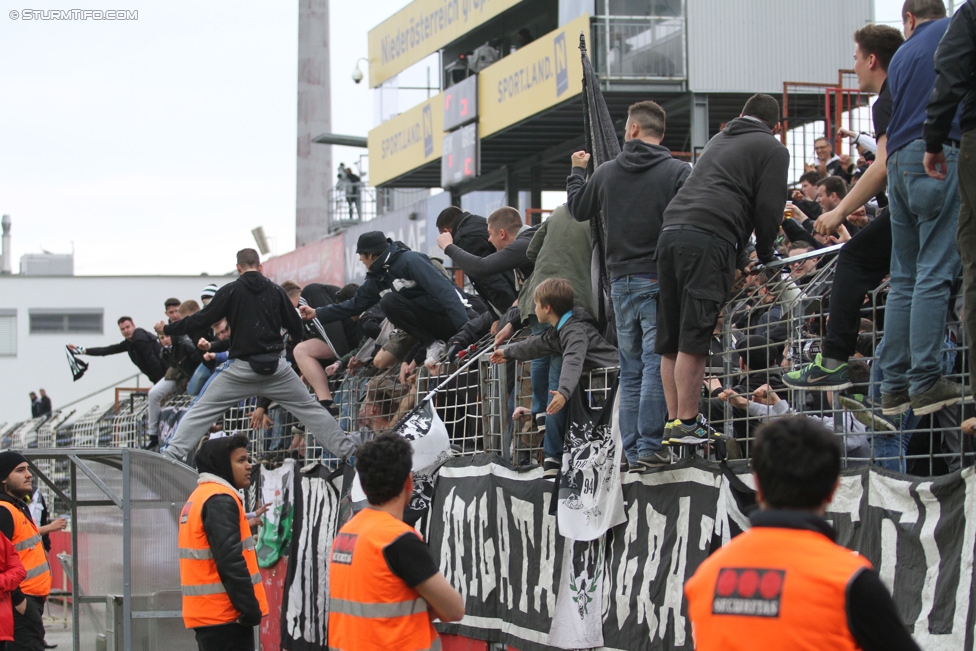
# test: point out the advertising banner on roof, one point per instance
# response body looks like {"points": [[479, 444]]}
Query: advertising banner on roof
{"points": [[407, 141], [544, 73], [422, 28]]}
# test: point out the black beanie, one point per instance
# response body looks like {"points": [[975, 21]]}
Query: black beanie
{"points": [[373, 242], [8, 461]]}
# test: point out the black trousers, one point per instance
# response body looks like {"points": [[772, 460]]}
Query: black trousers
{"points": [[226, 637], [29, 628], [422, 324], [861, 266]]}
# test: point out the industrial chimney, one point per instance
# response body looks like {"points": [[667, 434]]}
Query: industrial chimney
{"points": [[5, 267]]}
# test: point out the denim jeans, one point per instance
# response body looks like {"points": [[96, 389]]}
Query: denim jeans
{"points": [[545, 378], [200, 377], [924, 264], [643, 409]]}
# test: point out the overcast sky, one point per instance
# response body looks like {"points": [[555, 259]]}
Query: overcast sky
{"points": [[154, 146]]}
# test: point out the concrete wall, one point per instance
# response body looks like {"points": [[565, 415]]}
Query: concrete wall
{"points": [[40, 360], [314, 174]]}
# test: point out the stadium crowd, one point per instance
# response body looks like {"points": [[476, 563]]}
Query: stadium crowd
{"points": [[712, 333]]}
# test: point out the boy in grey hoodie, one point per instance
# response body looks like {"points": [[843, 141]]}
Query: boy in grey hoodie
{"points": [[573, 335]]}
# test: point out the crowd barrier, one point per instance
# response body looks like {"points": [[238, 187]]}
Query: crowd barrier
{"points": [[495, 478]]}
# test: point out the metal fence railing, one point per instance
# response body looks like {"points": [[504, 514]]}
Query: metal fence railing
{"points": [[774, 322]]}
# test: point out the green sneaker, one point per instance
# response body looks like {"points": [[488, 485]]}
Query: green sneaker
{"points": [[867, 412], [814, 377]]}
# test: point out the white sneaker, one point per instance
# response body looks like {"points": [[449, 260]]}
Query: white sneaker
{"points": [[435, 352]]}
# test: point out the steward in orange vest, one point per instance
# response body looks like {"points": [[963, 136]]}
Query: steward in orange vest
{"points": [[785, 583], [384, 586], [18, 526], [223, 598]]}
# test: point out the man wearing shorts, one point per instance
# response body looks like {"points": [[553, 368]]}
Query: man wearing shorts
{"points": [[737, 187]]}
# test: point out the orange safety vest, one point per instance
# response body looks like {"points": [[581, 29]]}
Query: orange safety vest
{"points": [[27, 542], [774, 588], [205, 600], [370, 608]]}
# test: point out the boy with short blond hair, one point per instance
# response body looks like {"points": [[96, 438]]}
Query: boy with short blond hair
{"points": [[575, 336]]}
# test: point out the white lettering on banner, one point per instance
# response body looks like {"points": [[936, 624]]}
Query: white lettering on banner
{"points": [[847, 497], [524, 515], [485, 550], [469, 514], [547, 561], [657, 524], [626, 569], [524, 79], [933, 561], [963, 590], [892, 495], [707, 527], [674, 591], [505, 592], [889, 553], [457, 525]]}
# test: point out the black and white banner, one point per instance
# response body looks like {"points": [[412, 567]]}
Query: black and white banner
{"points": [[491, 530], [305, 604], [431, 445]]}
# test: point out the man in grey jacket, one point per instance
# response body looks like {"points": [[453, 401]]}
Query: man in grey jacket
{"points": [[632, 192]]}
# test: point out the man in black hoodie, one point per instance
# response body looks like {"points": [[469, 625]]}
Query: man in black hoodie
{"points": [[257, 310], [470, 234], [632, 191], [737, 187], [142, 347]]}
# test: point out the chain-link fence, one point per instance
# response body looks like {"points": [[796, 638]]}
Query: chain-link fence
{"points": [[774, 323]]}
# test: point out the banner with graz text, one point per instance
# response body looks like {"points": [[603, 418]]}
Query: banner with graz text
{"points": [[491, 531]]}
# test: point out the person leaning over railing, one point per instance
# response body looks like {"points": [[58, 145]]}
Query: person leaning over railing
{"points": [[738, 188], [863, 262], [574, 336]]}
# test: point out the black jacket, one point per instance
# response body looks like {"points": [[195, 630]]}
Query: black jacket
{"points": [[470, 234], [256, 310], [143, 349], [737, 186], [955, 60], [632, 190], [512, 258], [221, 516], [413, 276], [183, 355]]}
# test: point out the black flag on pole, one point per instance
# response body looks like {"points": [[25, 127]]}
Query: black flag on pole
{"points": [[602, 144], [78, 366]]}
